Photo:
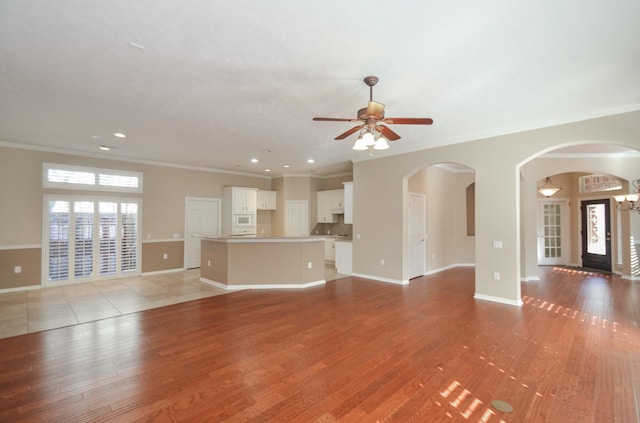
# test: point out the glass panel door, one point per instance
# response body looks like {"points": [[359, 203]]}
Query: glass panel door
{"points": [[552, 233], [596, 234], [86, 234]]}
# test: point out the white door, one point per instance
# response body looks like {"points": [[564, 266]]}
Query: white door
{"points": [[553, 232], [202, 217], [297, 218], [416, 229]]}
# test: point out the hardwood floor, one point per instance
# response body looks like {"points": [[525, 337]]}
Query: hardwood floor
{"points": [[353, 350]]}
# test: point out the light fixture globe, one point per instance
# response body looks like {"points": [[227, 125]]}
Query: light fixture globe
{"points": [[547, 189], [360, 144], [381, 144]]}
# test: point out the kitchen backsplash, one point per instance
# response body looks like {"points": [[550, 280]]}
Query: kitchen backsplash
{"points": [[339, 228]]}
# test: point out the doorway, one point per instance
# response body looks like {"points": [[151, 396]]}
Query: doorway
{"points": [[416, 231], [297, 218], [202, 218], [596, 234], [553, 232]]}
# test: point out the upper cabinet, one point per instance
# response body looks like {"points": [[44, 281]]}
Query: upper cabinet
{"points": [[242, 200], [266, 200], [330, 204], [348, 202]]}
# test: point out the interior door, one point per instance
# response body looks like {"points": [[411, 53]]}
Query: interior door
{"points": [[297, 218], [416, 229], [202, 217], [553, 236], [596, 234]]}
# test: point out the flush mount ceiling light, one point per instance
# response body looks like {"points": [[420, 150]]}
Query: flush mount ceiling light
{"points": [[374, 135], [254, 160], [630, 202], [547, 189], [311, 161], [119, 135], [106, 148]]}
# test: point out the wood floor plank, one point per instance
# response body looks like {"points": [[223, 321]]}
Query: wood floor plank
{"points": [[353, 350]]}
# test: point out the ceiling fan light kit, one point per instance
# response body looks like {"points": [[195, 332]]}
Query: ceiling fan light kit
{"points": [[373, 135]]}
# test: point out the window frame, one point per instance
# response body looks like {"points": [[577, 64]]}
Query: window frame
{"points": [[97, 172]]}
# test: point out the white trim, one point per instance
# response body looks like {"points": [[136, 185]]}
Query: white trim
{"points": [[497, 299], [151, 241], [451, 266], [160, 272], [96, 185], [530, 278], [265, 286], [379, 279], [630, 278], [20, 289], [20, 247]]}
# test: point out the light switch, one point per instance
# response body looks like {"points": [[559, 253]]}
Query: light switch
{"points": [[497, 244]]}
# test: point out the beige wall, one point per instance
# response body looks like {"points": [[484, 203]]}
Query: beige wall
{"points": [[447, 243], [163, 204], [382, 186]]}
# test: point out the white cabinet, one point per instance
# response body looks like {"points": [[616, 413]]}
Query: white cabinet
{"points": [[330, 203], [241, 200], [348, 202], [330, 249], [344, 257], [266, 200], [238, 201]]}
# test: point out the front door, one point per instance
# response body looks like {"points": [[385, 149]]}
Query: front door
{"points": [[596, 234]]}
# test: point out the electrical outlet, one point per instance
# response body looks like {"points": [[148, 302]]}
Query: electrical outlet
{"points": [[309, 265], [381, 262], [209, 263], [496, 276], [497, 244], [17, 269], [165, 256]]}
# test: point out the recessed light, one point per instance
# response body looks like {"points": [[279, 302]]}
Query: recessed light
{"points": [[105, 147], [287, 166], [310, 161], [267, 170], [254, 160], [119, 135]]}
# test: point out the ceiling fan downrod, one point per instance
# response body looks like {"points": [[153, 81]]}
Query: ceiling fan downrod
{"points": [[371, 81]]}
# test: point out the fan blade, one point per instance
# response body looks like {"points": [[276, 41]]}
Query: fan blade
{"points": [[375, 109], [349, 132], [324, 119], [409, 121], [387, 133]]}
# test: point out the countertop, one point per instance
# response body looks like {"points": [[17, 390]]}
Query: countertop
{"points": [[265, 239]]}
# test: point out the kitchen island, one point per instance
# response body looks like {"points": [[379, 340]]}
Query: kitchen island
{"points": [[262, 262]]}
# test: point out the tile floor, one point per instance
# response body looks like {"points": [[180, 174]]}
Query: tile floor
{"points": [[54, 307]]}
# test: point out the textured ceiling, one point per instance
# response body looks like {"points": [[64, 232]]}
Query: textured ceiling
{"points": [[212, 84]]}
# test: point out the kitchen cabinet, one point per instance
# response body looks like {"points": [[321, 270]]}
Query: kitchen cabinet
{"points": [[330, 249], [266, 200], [344, 257], [330, 204], [241, 200], [348, 202]]}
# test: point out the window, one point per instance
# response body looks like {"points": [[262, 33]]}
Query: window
{"points": [[90, 238], [75, 177], [599, 183]]}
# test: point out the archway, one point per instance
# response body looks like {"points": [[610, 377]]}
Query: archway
{"points": [[566, 166], [448, 241]]}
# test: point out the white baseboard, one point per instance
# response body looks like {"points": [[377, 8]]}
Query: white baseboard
{"points": [[262, 286], [530, 278], [19, 289], [378, 278], [497, 299], [160, 272]]}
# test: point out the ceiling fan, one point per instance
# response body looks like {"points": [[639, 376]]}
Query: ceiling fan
{"points": [[372, 131]]}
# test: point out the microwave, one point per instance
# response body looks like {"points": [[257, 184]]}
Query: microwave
{"points": [[244, 224], [240, 220]]}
